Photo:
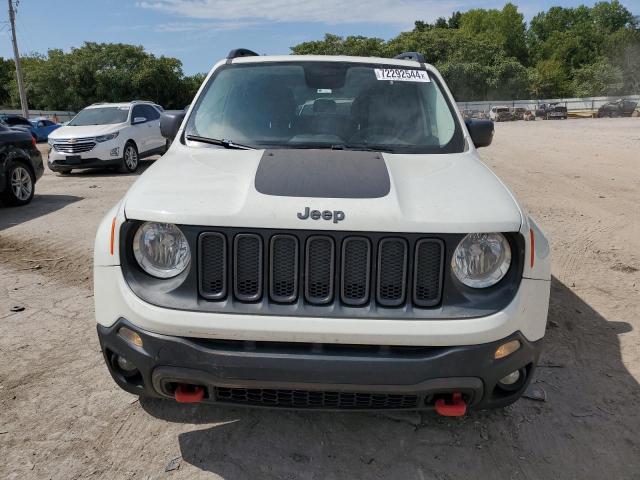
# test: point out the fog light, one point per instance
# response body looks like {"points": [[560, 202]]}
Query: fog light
{"points": [[130, 336], [507, 349], [125, 365], [510, 379]]}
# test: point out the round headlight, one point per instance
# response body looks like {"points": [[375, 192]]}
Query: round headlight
{"points": [[161, 249], [481, 259]]}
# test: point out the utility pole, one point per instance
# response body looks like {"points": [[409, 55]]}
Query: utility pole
{"points": [[16, 56]]}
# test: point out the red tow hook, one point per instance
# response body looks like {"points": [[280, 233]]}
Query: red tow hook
{"points": [[189, 393], [456, 408]]}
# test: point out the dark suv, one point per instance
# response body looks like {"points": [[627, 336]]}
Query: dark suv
{"points": [[20, 166]]}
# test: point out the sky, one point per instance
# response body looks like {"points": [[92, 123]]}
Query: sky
{"points": [[200, 32]]}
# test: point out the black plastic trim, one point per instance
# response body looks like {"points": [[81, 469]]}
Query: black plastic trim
{"points": [[424, 371], [422, 303], [309, 297], [241, 52], [258, 295], [401, 299], [296, 268], [367, 294], [223, 293]]}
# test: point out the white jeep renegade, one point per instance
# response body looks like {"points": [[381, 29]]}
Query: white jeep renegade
{"points": [[108, 135], [322, 234]]}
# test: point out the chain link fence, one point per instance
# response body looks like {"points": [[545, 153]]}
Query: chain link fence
{"points": [[576, 107]]}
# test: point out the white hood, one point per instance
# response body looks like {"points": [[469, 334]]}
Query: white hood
{"points": [[70, 131], [453, 193]]}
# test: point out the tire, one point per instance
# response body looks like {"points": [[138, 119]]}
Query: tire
{"points": [[20, 184], [130, 158]]}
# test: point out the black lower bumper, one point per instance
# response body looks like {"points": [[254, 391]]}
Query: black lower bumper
{"points": [[62, 165], [326, 376]]}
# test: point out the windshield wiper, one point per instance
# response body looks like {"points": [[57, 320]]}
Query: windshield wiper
{"points": [[222, 142], [364, 148]]}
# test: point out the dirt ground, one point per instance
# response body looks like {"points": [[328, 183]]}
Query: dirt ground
{"points": [[62, 417]]}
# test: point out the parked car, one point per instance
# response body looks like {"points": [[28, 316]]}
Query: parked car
{"points": [[42, 127], [358, 260], [549, 111], [619, 108], [108, 135], [18, 122], [20, 166], [500, 114], [518, 113]]}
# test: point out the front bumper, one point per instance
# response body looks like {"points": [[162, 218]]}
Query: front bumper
{"points": [[324, 376], [98, 157]]}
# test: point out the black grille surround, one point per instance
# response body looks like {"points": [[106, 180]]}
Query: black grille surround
{"points": [[336, 269], [208, 285]]}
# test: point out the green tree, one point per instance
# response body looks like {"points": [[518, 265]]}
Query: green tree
{"points": [[7, 72], [598, 78], [505, 27], [549, 79]]}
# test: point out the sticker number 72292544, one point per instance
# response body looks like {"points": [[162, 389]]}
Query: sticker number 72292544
{"points": [[401, 75]]}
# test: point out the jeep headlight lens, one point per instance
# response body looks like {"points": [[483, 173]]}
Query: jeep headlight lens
{"points": [[161, 249], [481, 259], [106, 138]]}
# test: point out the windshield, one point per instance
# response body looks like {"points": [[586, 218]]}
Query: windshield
{"points": [[327, 105], [100, 116]]}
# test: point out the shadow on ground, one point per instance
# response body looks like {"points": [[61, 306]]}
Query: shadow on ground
{"points": [[40, 205], [587, 428]]}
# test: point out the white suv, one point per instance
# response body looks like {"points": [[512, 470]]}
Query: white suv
{"points": [[322, 234], [108, 135]]}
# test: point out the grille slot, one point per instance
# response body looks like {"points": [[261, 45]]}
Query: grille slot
{"points": [[283, 268], [356, 270], [213, 265], [78, 145], [427, 272], [392, 272], [319, 270], [247, 278], [314, 399]]}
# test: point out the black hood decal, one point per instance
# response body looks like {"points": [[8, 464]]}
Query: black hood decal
{"points": [[322, 174]]}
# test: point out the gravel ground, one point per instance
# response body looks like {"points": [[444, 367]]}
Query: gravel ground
{"points": [[62, 417]]}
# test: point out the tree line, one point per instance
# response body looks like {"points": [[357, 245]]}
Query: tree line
{"points": [[484, 54], [491, 54], [97, 72]]}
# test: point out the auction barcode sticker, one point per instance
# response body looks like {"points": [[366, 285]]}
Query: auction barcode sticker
{"points": [[401, 75]]}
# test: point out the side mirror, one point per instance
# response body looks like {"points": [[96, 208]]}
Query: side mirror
{"points": [[481, 132], [170, 122], [138, 120]]}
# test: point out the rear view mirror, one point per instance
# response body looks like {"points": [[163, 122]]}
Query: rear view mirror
{"points": [[481, 132], [170, 122], [138, 120]]}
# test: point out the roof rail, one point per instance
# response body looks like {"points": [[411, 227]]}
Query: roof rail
{"points": [[418, 57], [241, 52]]}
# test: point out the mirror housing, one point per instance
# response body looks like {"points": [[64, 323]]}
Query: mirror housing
{"points": [[170, 122], [481, 132], [138, 120]]}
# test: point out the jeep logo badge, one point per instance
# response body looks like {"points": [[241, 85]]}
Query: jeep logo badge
{"points": [[336, 215]]}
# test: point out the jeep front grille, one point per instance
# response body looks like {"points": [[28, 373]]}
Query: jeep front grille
{"points": [[320, 269]]}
